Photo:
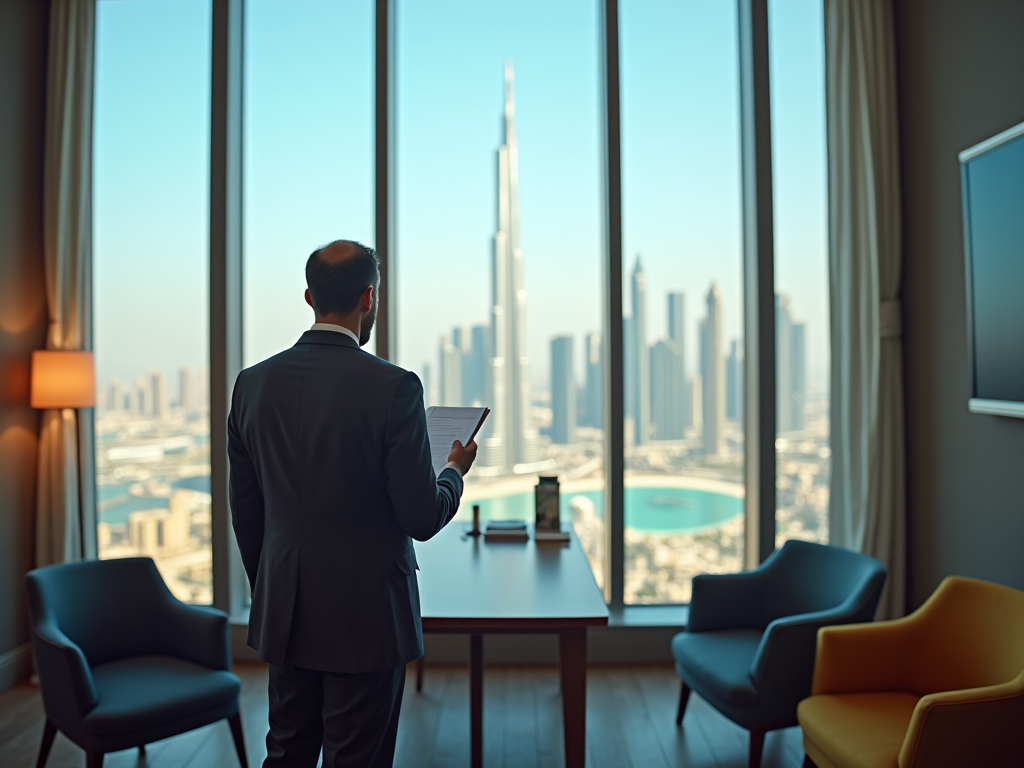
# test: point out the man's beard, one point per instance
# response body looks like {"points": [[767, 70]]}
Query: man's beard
{"points": [[366, 327]]}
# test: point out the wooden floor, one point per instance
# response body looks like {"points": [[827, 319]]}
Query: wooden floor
{"points": [[630, 722]]}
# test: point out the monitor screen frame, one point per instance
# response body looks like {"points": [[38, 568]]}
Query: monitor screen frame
{"points": [[976, 404]]}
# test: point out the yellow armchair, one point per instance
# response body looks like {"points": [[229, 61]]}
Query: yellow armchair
{"points": [[942, 687]]}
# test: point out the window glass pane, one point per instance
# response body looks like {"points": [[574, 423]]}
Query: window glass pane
{"points": [[308, 154], [150, 229], [799, 168], [499, 252], [683, 292]]}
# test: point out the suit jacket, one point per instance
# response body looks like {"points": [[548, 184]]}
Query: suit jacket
{"points": [[331, 479]]}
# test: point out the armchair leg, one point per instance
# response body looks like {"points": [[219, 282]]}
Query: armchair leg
{"points": [[235, 721], [142, 749], [808, 763], [49, 734], [94, 759], [756, 747], [684, 697]]}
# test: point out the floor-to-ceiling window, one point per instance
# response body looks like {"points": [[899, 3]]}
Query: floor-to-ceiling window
{"points": [[151, 214], [308, 146], [682, 296], [799, 169], [498, 264], [497, 267]]}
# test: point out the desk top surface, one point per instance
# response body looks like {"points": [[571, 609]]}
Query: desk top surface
{"points": [[466, 583]]}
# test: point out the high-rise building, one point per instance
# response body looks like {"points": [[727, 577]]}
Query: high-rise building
{"points": [[641, 358], [789, 369], [449, 368], [734, 382], [114, 398], [694, 408], [713, 378], [141, 399], [677, 333], [563, 391], [667, 391], [511, 436], [158, 394], [474, 364], [701, 324], [594, 401]]}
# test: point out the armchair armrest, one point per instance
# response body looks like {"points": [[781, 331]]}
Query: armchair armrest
{"points": [[197, 633], [788, 648], [859, 658], [975, 726], [69, 691], [726, 601]]}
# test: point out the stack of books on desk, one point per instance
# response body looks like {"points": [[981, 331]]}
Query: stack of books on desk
{"points": [[506, 530], [559, 536]]}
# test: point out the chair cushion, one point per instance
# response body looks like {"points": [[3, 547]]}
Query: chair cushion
{"points": [[717, 664], [857, 730], [141, 692]]}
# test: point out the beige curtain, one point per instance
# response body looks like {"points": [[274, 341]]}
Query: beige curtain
{"points": [[67, 244], [867, 508]]}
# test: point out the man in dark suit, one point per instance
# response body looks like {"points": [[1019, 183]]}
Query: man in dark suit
{"points": [[331, 479]]}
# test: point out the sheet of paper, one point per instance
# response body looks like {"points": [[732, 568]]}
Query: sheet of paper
{"points": [[445, 425]]}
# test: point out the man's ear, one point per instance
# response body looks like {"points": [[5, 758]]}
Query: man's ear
{"points": [[366, 300], [309, 299]]}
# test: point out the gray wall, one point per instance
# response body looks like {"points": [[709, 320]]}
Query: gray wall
{"points": [[23, 28], [961, 80]]}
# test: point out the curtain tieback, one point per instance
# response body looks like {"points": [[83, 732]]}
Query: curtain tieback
{"points": [[890, 323]]}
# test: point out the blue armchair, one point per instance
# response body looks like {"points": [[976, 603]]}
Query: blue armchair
{"points": [[749, 644], [122, 662]]}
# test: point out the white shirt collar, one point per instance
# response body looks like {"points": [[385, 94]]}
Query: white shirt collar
{"points": [[336, 329]]}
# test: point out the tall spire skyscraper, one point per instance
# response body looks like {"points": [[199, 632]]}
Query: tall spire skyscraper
{"points": [[513, 438]]}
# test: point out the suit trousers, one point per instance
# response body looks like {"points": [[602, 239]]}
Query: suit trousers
{"points": [[354, 717]]}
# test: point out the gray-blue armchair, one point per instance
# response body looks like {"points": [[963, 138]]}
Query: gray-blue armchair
{"points": [[749, 643], [122, 662]]}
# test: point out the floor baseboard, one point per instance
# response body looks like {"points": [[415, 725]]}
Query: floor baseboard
{"points": [[15, 666]]}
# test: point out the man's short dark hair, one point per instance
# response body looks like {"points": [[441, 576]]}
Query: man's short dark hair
{"points": [[335, 288]]}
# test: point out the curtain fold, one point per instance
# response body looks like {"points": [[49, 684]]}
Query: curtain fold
{"points": [[867, 508], [67, 254]]}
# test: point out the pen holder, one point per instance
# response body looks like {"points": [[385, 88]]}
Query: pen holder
{"points": [[476, 521]]}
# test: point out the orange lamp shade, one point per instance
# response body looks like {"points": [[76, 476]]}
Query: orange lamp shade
{"points": [[63, 379]]}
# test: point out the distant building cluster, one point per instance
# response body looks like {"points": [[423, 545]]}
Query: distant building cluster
{"points": [[663, 399], [153, 477], [148, 395]]}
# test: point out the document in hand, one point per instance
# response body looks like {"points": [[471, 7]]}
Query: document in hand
{"points": [[446, 424]]}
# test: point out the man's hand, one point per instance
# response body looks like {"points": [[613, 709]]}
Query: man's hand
{"points": [[463, 457]]}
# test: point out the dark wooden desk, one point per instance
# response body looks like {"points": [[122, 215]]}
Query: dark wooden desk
{"points": [[469, 587]]}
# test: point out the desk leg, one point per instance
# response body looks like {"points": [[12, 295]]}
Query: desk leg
{"points": [[572, 652], [476, 701]]}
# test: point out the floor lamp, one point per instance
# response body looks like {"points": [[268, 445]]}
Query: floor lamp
{"points": [[64, 379]]}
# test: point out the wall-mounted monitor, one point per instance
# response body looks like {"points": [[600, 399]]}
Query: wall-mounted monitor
{"points": [[992, 182]]}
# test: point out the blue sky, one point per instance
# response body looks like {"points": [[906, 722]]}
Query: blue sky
{"points": [[309, 172]]}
